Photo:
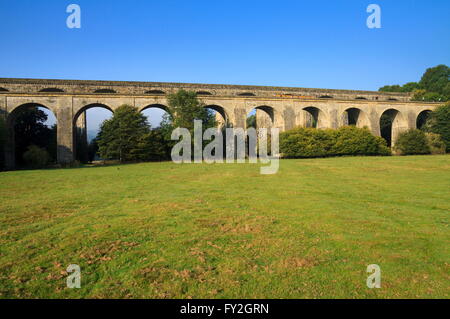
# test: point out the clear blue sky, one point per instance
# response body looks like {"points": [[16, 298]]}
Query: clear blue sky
{"points": [[323, 44]]}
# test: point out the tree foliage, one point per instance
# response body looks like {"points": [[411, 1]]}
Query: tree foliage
{"points": [[30, 129], [412, 142], [350, 140], [126, 136], [36, 157], [251, 121], [186, 107], [434, 86], [439, 123]]}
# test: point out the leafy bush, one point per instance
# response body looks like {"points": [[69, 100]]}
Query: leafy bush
{"points": [[310, 142], [306, 142], [439, 123], [435, 143], [351, 140], [36, 157], [412, 142]]}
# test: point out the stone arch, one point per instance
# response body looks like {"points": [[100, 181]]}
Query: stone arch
{"points": [[155, 92], [246, 94], [80, 132], [3, 90], [422, 118], [105, 91], [157, 106], [392, 123], [314, 117], [10, 147], [203, 93], [222, 117], [51, 90], [265, 116], [354, 116]]}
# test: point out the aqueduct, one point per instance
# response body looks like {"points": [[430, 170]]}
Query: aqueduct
{"points": [[282, 107]]}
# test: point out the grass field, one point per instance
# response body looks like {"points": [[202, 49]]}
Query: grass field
{"points": [[161, 230]]}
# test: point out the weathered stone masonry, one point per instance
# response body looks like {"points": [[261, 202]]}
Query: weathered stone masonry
{"points": [[282, 107]]}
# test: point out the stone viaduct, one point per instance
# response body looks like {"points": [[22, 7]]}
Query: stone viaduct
{"points": [[282, 107]]}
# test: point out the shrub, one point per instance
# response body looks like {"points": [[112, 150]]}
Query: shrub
{"points": [[36, 157], [351, 140], [412, 142], [310, 142], [306, 142], [439, 123], [435, 143]]}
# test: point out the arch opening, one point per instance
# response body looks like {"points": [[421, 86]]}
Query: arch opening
{"points": [[313, 117], [219, 114], [204, 93], [422, 119], [392, 124], [3, 90], [51, 90], [155, 92], [246, 94], [354, 116], [261, 117], [86, 126], [105, 91], [157, 115], [31, 125]]}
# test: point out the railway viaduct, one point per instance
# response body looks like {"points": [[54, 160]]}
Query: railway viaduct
{"points": [[282, 107]]}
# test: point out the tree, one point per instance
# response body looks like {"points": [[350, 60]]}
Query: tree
{"points": [[36, 157], [412, 142], [186, 108], [439, 123], [3, 133], [125, 135], [30, 129], [251, 121], [92, 150], [434, 85], [436, 79]]}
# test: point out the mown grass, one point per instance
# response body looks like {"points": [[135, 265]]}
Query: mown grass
{"points": [[161, 230]]}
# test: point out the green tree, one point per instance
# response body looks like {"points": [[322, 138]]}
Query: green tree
{"points": [[125, 135], [436, 79], [30, 129], [36, 157], [412, 142], [251, 121], [434, 85], [186, 107], [92, 150], [439, 123]]}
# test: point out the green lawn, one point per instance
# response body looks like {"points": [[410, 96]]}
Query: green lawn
{"points": [[161, 230]]}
